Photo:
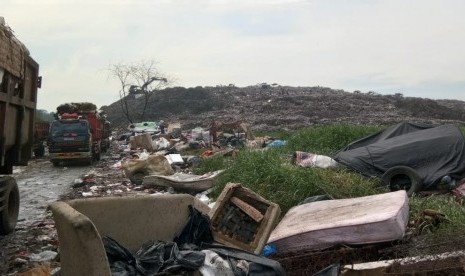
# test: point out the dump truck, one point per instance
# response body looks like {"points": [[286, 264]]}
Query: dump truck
{"points": [[40, 137], [19, 81], [76, 136]]}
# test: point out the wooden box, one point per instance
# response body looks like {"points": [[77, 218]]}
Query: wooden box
{"points": [[243, 219]]}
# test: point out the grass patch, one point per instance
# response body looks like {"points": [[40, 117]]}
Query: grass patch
{"points": [[454, 210], [271, 174]]}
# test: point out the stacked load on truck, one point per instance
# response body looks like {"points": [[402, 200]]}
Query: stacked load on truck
{"points": [[19, 80]]}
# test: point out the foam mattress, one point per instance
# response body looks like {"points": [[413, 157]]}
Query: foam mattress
{"points": [[355, 221]]}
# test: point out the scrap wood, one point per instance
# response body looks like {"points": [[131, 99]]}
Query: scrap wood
{"points": [[248, 209]]}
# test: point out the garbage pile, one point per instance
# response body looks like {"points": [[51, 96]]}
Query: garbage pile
{"points": [[241, 233], [192, 250], [147, 159], [157, 155]]}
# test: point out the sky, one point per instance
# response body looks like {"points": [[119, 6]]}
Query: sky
{"points": [[413, 47]]}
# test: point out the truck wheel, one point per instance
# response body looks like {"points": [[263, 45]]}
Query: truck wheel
{"points": [[402, 178], [89, 161], [40, 151], [9, 205], [137, 177]]}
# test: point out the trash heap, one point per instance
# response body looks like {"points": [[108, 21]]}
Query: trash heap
{"points": [[241, 233]]}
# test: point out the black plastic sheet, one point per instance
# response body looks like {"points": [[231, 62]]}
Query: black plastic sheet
{"points": [[432, 152], [197, 229]]}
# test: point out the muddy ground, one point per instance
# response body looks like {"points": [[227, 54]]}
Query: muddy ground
{"points": [[40, 183], [35, 242]]}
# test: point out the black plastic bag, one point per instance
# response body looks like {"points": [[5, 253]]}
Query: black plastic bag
{"points": [[155, 257], [116, 252], [152, 258], [197, 229], [177, 261], [147, 261]]}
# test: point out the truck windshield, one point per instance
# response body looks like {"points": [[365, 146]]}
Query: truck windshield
{"points": [[62, 128]]}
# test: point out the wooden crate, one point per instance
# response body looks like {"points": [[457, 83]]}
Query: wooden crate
{"points": [[243, 219]]}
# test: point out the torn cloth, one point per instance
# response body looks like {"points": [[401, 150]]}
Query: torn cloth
{"points": [[306, 159]]}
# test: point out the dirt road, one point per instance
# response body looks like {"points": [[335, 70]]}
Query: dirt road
{"points": [[40, 183]]}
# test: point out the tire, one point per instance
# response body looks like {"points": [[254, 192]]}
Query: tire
{"points": [[402, 178], [40, 151], [89, 161], [137, 177], [9, 205]]}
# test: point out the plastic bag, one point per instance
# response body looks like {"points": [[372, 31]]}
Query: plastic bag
{"points": [[197, 229], [152, 258], [258, 265]]}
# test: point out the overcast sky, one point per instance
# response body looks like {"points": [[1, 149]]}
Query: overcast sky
{"points": [[394, 46]]}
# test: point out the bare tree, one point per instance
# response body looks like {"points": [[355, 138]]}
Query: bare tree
{"points": [[138, 79]]}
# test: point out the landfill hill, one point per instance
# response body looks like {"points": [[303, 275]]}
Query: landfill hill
{"points": [[271, 107]]}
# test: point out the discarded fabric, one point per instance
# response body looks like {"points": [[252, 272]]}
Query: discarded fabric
{"points": [[306, 159]]}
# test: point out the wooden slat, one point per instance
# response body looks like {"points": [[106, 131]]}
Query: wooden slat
{"points": [[248, 209]]}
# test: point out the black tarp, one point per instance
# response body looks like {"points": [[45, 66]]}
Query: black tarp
{"points": [[432, 152]]}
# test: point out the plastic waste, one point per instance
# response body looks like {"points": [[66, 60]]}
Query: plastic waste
{"points": [[269, 249], [307, 159], [153, 257], [144, 155], [162, 143], [45, 256], [448, 182], [196, 133], [87, 194], [315, 198], [258, 265], [277, 143], [215, 265], [204, 198], [197, 229]]}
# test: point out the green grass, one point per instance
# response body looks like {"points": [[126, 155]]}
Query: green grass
{"points": [[452, 209], [271, 174]]}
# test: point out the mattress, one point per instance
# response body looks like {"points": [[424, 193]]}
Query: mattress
{"points": [[354, 221]]}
